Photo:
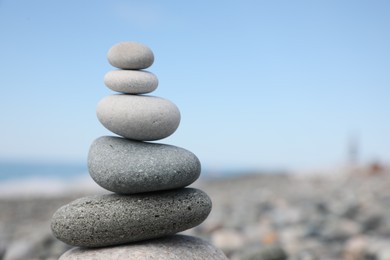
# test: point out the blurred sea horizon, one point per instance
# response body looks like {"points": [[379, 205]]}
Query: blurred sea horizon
{"points": [[21, 170], [13, 170], [23, 177]]}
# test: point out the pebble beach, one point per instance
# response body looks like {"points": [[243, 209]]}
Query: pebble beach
{"points": [[254, 216]]}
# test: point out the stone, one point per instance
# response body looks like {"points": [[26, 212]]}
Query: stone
{"points": [[125, 166], [274, 252], [2, 251], [228, 239], [130, 55], [143, 118], [175, 247], [112, 219], [356, 248], [131, 81]]}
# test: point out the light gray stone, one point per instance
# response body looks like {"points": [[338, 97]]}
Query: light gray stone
{"points": [[112, 219], [130, 55], [131, 81], [126, 166], [143, 118], [177, 247]]}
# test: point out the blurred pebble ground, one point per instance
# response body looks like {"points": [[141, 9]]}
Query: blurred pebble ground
{"points": [[335, 215]]}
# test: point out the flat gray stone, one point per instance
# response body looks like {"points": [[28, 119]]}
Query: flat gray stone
{"points": [[131, 81], [177, 247], [143, 118], [126, 166], [112, 219], [130, 55]]}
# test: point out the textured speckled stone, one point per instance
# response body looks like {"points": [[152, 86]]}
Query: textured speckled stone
{"points": [[177, 247], [105, 220], [126, 166], [143, 118], [130, 55], [131, 81]]}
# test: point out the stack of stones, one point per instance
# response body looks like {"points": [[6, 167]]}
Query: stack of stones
{"points": [[149, 203]]}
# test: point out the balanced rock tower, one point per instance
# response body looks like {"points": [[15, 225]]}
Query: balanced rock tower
{"points": [[149, 203]]}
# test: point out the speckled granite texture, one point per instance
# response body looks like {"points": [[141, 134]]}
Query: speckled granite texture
{"points": [[177, 247], [125, 166], [105, 220]]}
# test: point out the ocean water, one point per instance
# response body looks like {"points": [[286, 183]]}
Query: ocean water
{"points": [[14, 170], [19, 178], [25, 179], [21, 171]]}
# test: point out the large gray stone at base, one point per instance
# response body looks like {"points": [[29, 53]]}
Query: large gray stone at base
{"points": [[130, 55], [106, 220], [138, 117], [126, 166], [176, 247], [131, 81]]}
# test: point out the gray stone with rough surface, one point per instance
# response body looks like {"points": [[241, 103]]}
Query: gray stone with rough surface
{"points": [[176, 247], [112, 219], [131, 81], [138, 117], [126, 166], [130, 55]]}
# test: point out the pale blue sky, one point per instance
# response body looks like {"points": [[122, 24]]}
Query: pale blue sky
{"points": [[264, 84]]}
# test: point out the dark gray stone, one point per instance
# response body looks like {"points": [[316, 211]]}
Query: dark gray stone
{"points": [[176, 247], [2, 250], [125, 166], [112, 219]]}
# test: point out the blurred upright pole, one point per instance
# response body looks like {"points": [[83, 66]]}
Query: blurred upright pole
{"points": [[353, 153]]}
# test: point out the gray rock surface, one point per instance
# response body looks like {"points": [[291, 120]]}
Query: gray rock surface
{"points": [[274, 252], [131, 81], [111, 219], [259, 208], [177, 247], [2, 250], [130, 55], [125, 166], [143, 118]]}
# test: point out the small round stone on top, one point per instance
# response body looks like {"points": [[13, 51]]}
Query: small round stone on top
{"points": [[130, 55]]}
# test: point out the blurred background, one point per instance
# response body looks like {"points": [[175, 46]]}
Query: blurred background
{"points": [[288, 97]]}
